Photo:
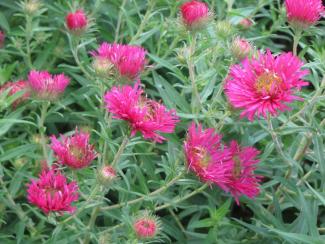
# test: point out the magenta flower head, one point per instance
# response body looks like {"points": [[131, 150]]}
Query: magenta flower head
{"points": [[240, 164], [74, 151], [146, 226], [46, 86], [77, 22], [202, 152], [303, 13], [195, 14], [265, 84], [52, 193], [17, 87], [128, 61], [143, 114], [2, 39]]}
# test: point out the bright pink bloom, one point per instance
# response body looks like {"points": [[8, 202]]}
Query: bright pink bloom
{"points": [[77, 21], [304, 13], [128, 61], [146, 226], [143, 114], [74, 151], [47, 86], [265, 84], [2, 38], [16, 87], [195, 14], [203, 152], [240, 163], [52, 193]]}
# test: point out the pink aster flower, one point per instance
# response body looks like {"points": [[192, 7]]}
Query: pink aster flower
{"points": [[240, 164], [265, 84], [52, 193], [143, 114], [74, 151], [16, 87], [302, 13], [146, 226], [203, 152], [127, 60], [195, 14], [77, 22], [46, 86], [2, 38]]}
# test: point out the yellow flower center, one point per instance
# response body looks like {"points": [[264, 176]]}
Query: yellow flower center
{"points": [[237, 167], [267, 81], [203, 155], [76, 152]]}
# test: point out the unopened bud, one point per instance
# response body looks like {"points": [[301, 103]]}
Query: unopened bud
{"points": [[103, 67], [107, 175], [241, 48]]}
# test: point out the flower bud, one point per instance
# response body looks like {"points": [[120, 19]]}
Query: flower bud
{"points": [[106, 175], [77, 22], [32, 6], [241, 48], [146, 226], [103, 67], [195, 15], [245, 23], [224, 29]]}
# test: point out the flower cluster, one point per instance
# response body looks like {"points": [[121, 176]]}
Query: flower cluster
{"points": [[143, 114], [52, 193], [228, 166], [265, 84], [128, 61]]}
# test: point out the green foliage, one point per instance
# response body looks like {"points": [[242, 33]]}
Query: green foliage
{"points": [[290, 208]]}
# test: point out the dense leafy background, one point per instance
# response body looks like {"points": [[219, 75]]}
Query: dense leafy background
{"points": [[290, 208]]}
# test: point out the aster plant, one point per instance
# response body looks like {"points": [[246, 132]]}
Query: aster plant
{"points": [[154, 121]]}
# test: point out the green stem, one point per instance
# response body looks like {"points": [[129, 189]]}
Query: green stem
{"points": [[120, 150], [296, 39], [140, 199], [119, 21], [42, 129], [196, 101], [29, 32]]}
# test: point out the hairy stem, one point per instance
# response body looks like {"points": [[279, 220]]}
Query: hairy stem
{"points": [[42, 129], [119, 21]]}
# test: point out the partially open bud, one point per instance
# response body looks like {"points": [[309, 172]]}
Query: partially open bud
{"points": [[77, 22], [146, 226], [31, 6], [195, 15], [245, 23], [106, 175], [241, 48], [2, 39], [103, 67]]}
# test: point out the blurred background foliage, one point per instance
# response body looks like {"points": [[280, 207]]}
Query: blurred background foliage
{"points": [[290, 208]]}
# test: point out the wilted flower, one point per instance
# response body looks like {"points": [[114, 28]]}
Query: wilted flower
{"points": [[46, 86], [77, 22], [143, 114], [74, 151], [241, 48], [16, 87], [203, 152], [52, 193], [240, 163], [128, 61], [302, 13], [195, 14], [2, 39], [146, 226], [265, 84]]}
